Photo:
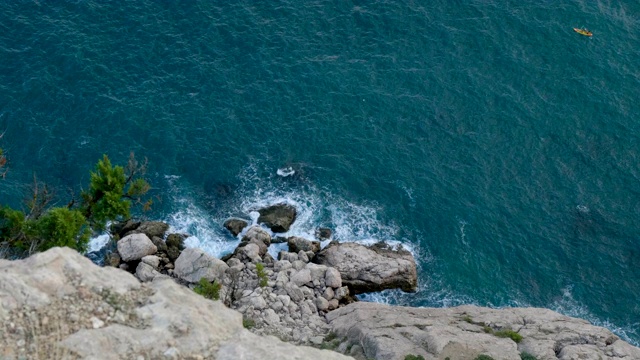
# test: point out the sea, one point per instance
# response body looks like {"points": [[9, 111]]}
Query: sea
{"points": [[498, 145]]}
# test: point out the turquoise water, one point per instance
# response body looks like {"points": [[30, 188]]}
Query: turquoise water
{"points": [[487, 136]]}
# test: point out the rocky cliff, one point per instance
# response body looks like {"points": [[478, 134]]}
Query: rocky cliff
{"points": [[59, 305]]}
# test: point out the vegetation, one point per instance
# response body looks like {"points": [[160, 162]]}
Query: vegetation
{"points": [[40, 226], [248, 323], [262, 275], [414, 357], [483, 357], [208, 289], [508, 333], [527, 356]]}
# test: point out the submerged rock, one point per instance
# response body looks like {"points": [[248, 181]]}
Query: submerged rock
{"points": [[297, 244], [370, 268], [278, 217]]}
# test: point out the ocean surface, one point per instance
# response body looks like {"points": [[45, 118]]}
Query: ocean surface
{"points": [[487, 136]]}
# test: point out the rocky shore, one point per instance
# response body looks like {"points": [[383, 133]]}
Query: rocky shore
{"points": [[58, 304]]}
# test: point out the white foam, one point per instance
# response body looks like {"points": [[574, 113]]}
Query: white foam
{"points": [[284, 172], [98, 242], [569, 306]]}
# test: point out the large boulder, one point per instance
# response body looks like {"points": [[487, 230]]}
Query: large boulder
{"points": [[258, 236], [135, 247], [278, 217], [465, 332], [235, 226], [59, 305], [151, 229], [370, 268], [297, 244], [194, 264]]}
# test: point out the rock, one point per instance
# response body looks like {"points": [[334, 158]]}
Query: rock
{"points": [[303, 257], [146, 272], [388, 332], [151, 260], [135, 246], [341, 292], [250, 251], [112, 259], [258, 236], [297, 244], [278, 217], [328, 293], [159, 243], [333, 304], [150, 228], [294, 292], [323, 233], [278, 240], [322, 304], [158, 320], [284, 255], [194, 264], [370, 268], [124, 227], [176, 241], [301, 277], [317, 272], [332, 278], [235, 226], [173, 253]]}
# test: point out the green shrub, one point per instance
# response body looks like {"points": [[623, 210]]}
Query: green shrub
{"points": [[63, 227], [483, 357], [248, 323], [414, 357], [527, 356], [262, 275], [207, 289], [508, 333]]}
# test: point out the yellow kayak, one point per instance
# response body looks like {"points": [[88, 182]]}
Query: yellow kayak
{"points": [[584, 32]]}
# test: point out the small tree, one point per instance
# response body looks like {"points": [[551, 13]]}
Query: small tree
{"points": [[63, 227], [112, 191]]}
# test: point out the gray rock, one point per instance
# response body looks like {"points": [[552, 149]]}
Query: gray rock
{"points": [[370, 268], [317, 272], [301, 277], [146, 272], [235, 226], [159, 243], [152, 260], [278, 217], [387, 332], [298, 265], [302, 256], [135, 247], [297, 244], [282, 265], [290, 257], [294, 292], [328, 293], [194, 264], [333, 304], [322, 304], [332, 278], [176, 241], [251, 251], [341, 292]]}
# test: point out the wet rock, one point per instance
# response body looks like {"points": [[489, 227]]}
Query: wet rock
{"points": [[235, 226], [151, 229], [297, 244], [278, 217], [323, 233]]}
